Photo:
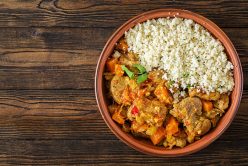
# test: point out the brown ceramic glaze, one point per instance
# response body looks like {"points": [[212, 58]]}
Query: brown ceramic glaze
{"points": [[145, 146]]}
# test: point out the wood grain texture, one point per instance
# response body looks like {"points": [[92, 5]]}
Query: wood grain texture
{"points": [[51, 58], [64, 126], [97, 13], [48, 55], [65, 58]]}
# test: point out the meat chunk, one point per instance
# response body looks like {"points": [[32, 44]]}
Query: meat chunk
{"points": [[222, 103], [187, 108], [179, 140], [171, 141], [201, 126], [122, 46], [189, 112], [151, 112], [132, 56], [117, 87], [211, 96], [113, 108], [156, 76], [214, 115], [124, 60]]}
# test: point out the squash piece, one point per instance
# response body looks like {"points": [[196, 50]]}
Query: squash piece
{"points": [[111, 65], [158, 136], [163, 94], [172, 126], [118, 70], [118, 118], [207, 105]]}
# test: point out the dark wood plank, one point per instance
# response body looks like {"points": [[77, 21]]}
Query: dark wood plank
{"points": [[75, 39], [49, 58], [60, 110], [55, 113], [112, 152], [55, 58], [69, 39], [81, 13], [65, 127], [48, 55]]}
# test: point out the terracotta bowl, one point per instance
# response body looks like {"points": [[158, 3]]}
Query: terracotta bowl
{"points": [[146, 146]]}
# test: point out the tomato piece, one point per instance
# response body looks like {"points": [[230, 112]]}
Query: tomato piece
{"points": [[135, 110]]}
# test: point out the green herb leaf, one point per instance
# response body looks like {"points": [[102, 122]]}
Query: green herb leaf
{"points": [[142, 78], [129, 73], [189, 86], [185, 74], [141, 68], [171, 82]]}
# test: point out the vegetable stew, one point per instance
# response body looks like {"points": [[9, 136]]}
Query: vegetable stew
{"points": [[146, 105]]}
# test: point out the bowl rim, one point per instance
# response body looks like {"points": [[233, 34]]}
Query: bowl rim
{"points": [[155, 151]]}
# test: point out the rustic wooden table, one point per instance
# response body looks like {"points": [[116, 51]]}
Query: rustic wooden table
{"points": [[48, 55]]}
